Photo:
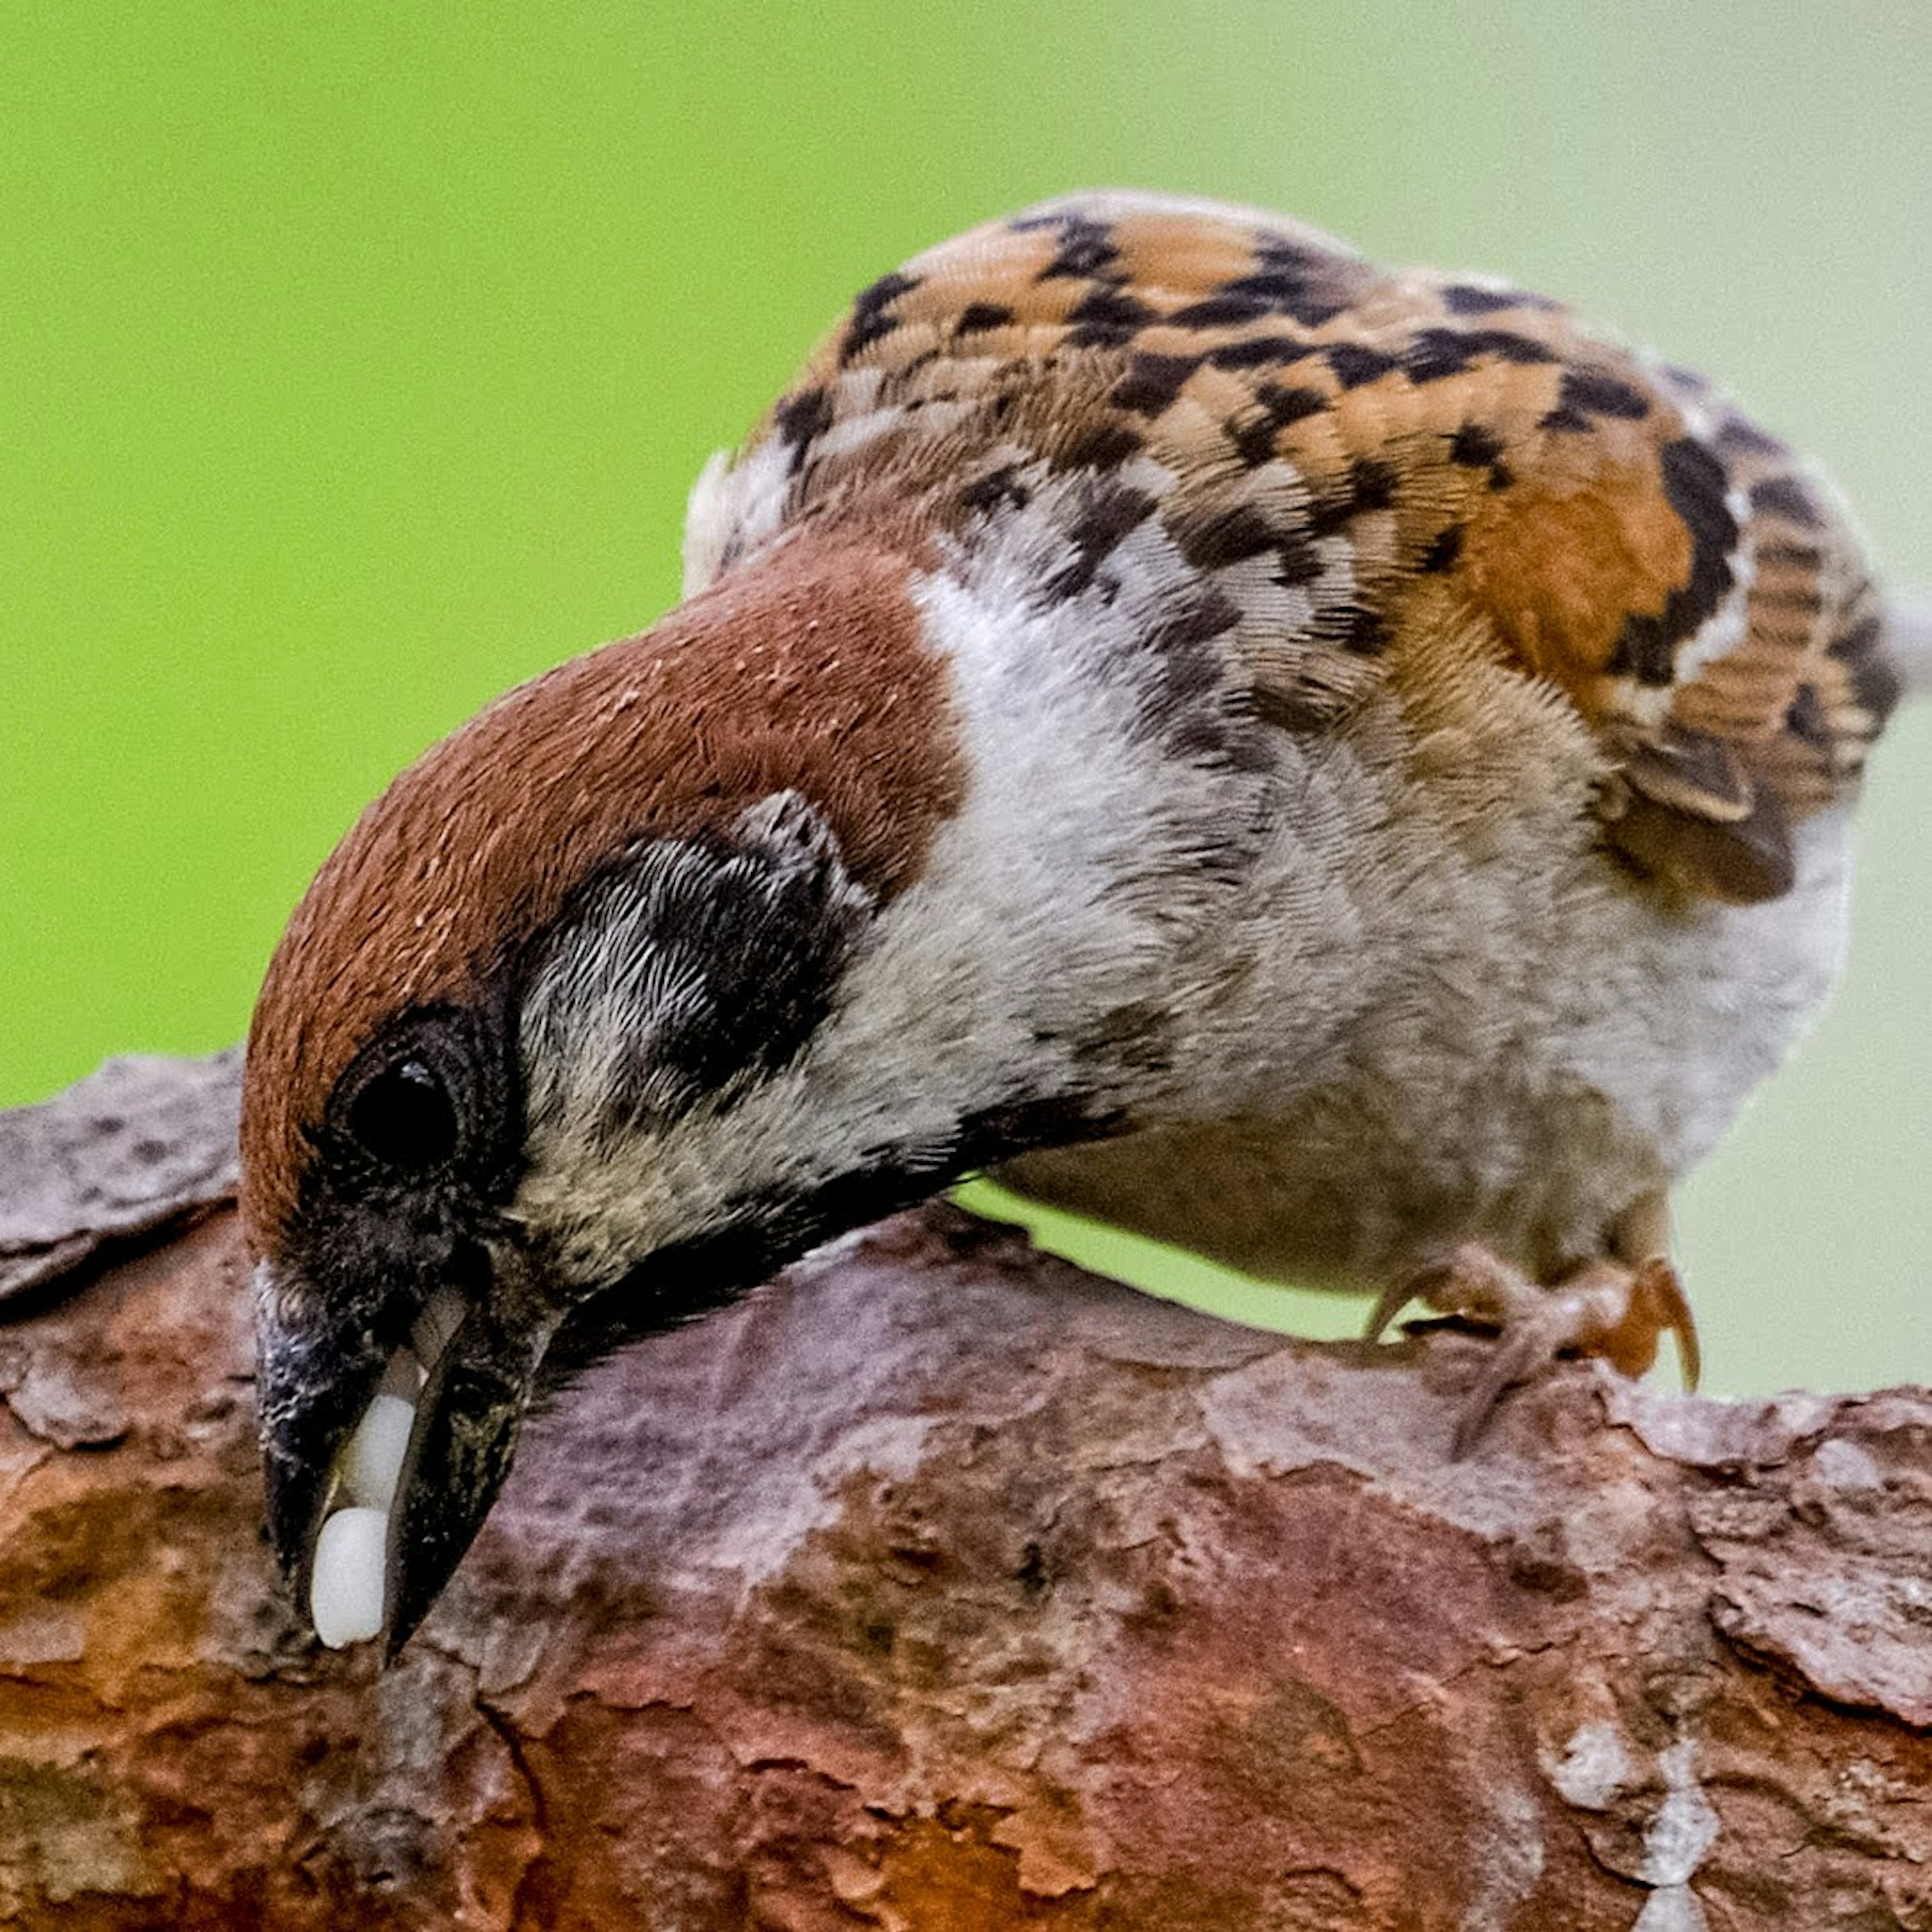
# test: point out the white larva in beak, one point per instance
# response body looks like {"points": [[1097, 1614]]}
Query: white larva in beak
{"points": [[347, 1578], [372, 1460], [345, 1597]]}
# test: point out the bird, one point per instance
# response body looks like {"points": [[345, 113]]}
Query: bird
{"points": [[1348, 770]]}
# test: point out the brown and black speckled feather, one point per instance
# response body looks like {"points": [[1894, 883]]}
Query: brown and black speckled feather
{"points": [[1378, 449]]}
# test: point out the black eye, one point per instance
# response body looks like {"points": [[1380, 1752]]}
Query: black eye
{"points": [[405, 1119]]}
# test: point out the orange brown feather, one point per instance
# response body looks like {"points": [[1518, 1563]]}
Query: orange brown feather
{"points": [[1611, 527]]}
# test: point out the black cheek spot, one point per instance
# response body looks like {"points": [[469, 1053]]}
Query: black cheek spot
{"points": [[768, 963]]}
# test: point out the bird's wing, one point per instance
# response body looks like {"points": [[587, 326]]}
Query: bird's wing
{"points": [[1343, 449]]}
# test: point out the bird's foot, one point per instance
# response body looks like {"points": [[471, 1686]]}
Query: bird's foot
{"points": [[1619, 1310]]}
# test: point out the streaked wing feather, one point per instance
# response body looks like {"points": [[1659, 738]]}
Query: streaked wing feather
{"points": [[1375, 439]]}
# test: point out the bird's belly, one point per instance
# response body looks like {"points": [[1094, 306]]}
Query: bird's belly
{"points": [[1347, 1191], [1601, 1080]]}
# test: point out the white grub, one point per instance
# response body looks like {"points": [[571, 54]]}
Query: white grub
{"points": [[372, 1458], [345, 1601]]}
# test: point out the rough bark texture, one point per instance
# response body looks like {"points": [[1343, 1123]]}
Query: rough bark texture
{"points": [[942, 1586]]}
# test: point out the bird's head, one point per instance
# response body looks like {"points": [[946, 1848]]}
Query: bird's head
{"points": [[591, 1022]]}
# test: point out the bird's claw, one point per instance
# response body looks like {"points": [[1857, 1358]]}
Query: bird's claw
{"points": [[1614, 1309]]}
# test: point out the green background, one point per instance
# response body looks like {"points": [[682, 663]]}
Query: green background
{"points": [[356, 359]]}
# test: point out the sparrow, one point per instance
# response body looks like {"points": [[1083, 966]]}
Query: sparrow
{"points": [[1348, 771]]}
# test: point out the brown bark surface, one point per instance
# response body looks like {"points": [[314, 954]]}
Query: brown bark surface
{"points": [[942, 1586]]}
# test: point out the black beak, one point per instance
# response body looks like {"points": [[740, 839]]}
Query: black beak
{"points": [[485, 1349], [317, 1380], [468, 1418]]}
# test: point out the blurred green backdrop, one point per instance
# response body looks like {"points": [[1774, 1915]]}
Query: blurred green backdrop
{"points": [[357, 358]]}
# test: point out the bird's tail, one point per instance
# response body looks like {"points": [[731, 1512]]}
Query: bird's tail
{"points": [[1908, 639]]}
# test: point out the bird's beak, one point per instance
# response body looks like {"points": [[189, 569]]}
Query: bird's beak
{"points": [[381, 1465]]}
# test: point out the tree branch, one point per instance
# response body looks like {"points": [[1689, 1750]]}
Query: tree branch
{"points": [[938, 1586]]}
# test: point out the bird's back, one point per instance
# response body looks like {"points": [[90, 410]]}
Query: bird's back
{"points": [[1581, 647], [1344, 465]]}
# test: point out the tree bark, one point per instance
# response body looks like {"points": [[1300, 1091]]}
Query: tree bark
{"points": [[942, 1586]]}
